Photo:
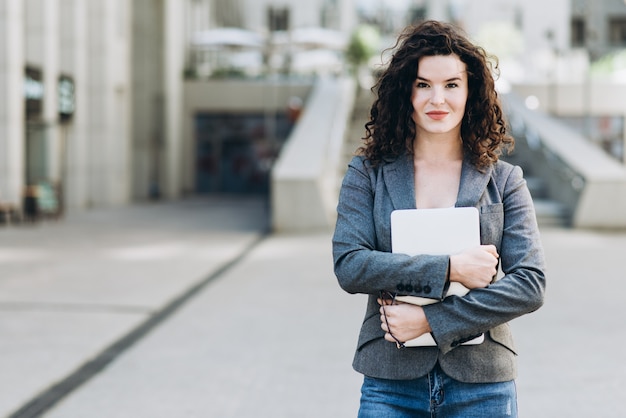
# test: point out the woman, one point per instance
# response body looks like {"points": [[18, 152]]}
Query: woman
{"points": [[435, 132]]}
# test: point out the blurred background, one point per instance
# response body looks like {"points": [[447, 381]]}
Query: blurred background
{"points": [[104, 103], [239, 115]]}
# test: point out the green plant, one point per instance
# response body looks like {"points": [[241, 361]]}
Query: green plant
{"points": [[364, 43]]}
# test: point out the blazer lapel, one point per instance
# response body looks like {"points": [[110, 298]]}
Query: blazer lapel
{"points": [[399, 179], [473, 184], [400, 182]]}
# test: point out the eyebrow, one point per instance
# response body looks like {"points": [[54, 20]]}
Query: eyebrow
{"points": [[447, 81]]}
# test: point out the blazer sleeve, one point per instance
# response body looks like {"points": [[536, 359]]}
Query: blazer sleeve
{"points": [[363, 261], [518, 292]]}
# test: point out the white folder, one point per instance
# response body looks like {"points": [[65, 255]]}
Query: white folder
{"points": [[435, 232]]}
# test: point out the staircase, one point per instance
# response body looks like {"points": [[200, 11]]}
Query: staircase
{"points": [[549, 212]]}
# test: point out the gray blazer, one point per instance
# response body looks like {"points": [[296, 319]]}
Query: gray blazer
{"points": [[364, 263]]}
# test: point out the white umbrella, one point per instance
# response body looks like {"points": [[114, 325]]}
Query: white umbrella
{"points": [[312, 37], [316, 61], [319, 37], [227, 37]]}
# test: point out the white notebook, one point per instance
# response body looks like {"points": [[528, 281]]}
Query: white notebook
{"points": [[434, 232]]}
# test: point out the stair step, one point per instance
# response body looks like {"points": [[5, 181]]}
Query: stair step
{"points": [[550, 213]]}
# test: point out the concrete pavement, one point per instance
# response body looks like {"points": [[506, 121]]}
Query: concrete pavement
{"points": [[205, 316]]}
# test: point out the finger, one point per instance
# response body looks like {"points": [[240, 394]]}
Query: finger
{"points": [[387, 310], [384, 326], [491, 249]]}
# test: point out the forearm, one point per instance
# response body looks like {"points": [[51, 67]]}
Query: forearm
{"points": [[480, 310], [370, 271]]}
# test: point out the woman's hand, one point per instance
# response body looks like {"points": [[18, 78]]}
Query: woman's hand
{"points": [[404, 321], [475, 267]]}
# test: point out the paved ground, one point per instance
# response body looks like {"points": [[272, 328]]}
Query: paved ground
{"points": [[188, 309]]}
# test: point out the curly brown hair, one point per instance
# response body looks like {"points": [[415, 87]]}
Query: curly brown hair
{"points": [[390, 132]]}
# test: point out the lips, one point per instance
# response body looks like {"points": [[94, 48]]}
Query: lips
{"points": [[437, 114]]}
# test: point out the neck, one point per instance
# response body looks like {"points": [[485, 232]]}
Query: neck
{"points": [[429, 148]]}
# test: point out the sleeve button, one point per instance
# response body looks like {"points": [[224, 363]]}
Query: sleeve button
{"points": [[427, 289]]}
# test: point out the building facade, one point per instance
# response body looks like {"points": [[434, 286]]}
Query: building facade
{"points": [[90, 92], [65, 93], [92, 100], [572, 32], [599, 26]]}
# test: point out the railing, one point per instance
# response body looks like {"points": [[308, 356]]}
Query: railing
{"points": [[305, 177], [583, 178]]}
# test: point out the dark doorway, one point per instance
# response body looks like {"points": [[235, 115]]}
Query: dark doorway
{"points": [[235, 152]]}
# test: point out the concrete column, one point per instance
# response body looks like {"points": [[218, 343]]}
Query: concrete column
{"points": [[437, 9], [96, 104], [50, 67], [173, 64], [624, 140], [73, 62], [347, 16], [11, 101], [121, 116], [108, 92], [148, 99]]}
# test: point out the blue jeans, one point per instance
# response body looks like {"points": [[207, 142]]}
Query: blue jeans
{"points": [[436, 396]]}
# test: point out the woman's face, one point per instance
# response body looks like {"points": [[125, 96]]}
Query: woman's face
{"points": [[439, 95]]}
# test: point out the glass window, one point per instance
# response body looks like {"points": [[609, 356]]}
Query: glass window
{"points": [[617, 31], [578, 32], [278, 18]]}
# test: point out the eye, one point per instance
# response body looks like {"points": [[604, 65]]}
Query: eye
{"points": [[421, 85], [452, 85]]}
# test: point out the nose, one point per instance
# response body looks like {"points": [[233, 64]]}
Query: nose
{"points": [[437, 96]]}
